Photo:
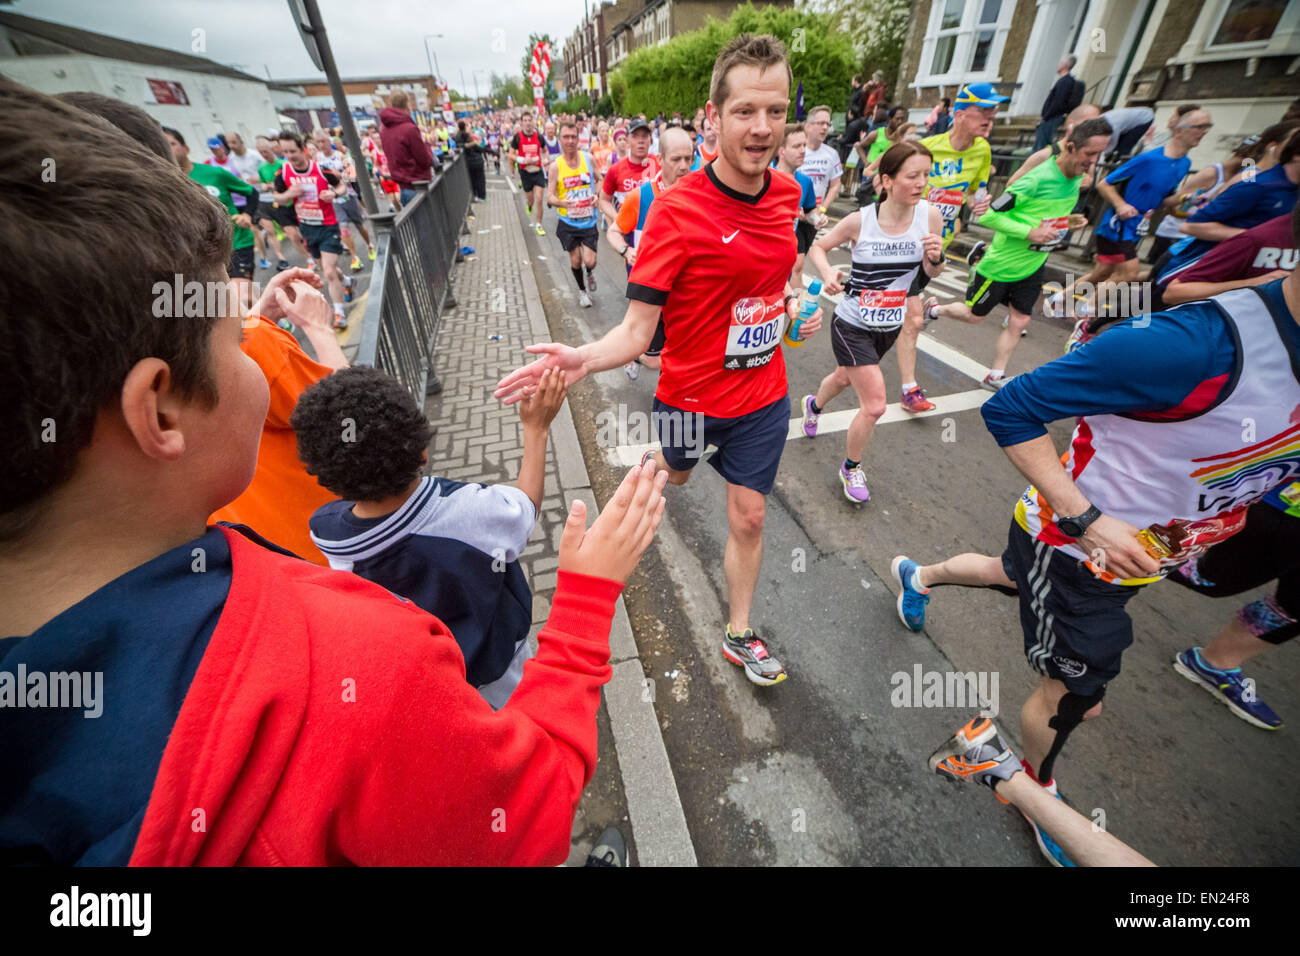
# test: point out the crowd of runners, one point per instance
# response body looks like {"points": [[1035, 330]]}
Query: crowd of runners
{"points": [[716, 216]]}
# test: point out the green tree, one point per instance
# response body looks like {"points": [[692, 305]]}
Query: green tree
{"points": [[512, 86], [877, 28], [675, 77]]}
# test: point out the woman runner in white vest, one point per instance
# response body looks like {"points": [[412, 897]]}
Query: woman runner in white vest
{"points": [[893, 239]]}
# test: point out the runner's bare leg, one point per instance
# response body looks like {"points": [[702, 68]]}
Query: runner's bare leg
{"points": [[744, 553]]}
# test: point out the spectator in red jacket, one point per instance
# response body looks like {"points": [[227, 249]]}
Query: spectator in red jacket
{"points": [[409, 159], [251, 707]]}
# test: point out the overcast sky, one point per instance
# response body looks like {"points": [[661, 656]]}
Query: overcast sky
{"points": [[369, 37]]}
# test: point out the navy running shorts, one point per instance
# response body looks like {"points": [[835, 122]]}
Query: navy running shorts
{"points": [[321, 239], [749, 447], [1075, 625]]}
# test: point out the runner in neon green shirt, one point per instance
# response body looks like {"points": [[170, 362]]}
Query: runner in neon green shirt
{"points": [[1031, 217], [959, 174]]}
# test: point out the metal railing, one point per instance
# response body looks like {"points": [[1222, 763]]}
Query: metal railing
{"points": [[410, 287]]}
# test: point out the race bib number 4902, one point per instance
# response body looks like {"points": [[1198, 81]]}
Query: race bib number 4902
{"points": [[882, 309], [755, 332]]}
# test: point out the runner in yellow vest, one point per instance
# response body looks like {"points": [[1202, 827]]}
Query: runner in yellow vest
{"points": [[571, 189]]}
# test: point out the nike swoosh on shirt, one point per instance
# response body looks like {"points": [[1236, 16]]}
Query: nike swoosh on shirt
{"points": [[727, 239]]}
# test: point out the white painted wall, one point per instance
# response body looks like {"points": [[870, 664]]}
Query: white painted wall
{"points": [[217, 103], [1234, 120]]}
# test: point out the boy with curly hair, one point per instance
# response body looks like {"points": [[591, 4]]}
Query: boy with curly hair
{"points": [[450, 547]]}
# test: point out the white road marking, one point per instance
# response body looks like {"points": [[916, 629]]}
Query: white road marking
{"points": [[838, 421]]}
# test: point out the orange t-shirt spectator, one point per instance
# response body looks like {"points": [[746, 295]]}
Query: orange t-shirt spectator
{"points": [[282, 496]]}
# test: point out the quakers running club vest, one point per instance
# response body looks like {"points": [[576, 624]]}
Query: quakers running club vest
{"points": [[308, 207], [1141, 472], [576, 187], [883, 269], [530, 152]]}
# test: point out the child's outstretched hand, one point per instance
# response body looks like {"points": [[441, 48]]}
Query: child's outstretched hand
{"points": [[539, 408], [613, 545]]}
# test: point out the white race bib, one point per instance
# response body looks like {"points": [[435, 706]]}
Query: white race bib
{"points": [[755, 332], [882, 309]]}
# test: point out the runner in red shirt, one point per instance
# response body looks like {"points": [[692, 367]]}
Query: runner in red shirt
{"points": [[715, 255], [630, 172]]}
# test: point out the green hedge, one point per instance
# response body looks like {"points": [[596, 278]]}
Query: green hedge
{"points": [[674, 78]]}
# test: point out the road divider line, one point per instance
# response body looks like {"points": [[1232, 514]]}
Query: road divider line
{"points": [[624, 456]]}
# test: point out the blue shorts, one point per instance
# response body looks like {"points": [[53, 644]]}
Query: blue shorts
{"points": [[749, 447]]}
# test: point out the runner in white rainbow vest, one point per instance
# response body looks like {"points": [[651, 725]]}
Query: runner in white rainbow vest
{"points": [[1186, 419]]}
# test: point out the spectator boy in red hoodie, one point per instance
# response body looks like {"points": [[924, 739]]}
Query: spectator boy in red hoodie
{"points": [[409, 158], [248, 707]]}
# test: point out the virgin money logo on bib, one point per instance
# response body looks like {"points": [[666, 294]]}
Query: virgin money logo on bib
{"points": [[750, 311]]}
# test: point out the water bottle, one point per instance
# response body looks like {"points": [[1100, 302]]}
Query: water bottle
{"points": [[807, 306], [1144, 226]]}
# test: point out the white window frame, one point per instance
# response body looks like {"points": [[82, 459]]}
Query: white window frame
{"points": [[964, 49], [1249, 45]]}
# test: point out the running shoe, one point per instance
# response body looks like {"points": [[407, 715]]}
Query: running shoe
{"points": [[996, 384], [340, 323], [930, 311], [529, 206], [855, 484], [264, 263], [371, 253], [976, 752], [311, 263], [347, 292], [610, 849], [356, 264], [632, 370], [1054, 306], [1046, 845], [809, 417], [584, 300], [1229, 687], [748, 651], [282, 265], [911, 599], [976, 253], [915, 401], [591, 282], [1079, 337], [539, 230]]}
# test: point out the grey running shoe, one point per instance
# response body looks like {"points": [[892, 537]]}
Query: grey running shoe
{"points": [[748, 651], [610, 849], [976, 752]]}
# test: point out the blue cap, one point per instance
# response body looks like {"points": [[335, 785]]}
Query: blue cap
{"points": [[978, 94], [216, 143]]}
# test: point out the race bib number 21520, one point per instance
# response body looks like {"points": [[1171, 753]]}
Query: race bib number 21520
{"points": [[755, 332]]}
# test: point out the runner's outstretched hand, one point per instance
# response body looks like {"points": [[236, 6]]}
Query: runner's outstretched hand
{"points": [[613, 545], [523, 382]]}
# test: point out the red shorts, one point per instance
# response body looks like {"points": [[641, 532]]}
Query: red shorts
{"points": [[1112, 250], [389, 186]]}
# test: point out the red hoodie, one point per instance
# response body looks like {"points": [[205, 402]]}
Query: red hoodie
{"points": [[409, 157], [330, 722]]}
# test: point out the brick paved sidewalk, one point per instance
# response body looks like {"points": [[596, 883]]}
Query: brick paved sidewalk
{"points": [[478, 438]]}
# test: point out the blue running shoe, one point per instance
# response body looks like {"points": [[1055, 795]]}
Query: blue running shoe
{"points": [[1230, 687], [911, 599], [1049, 848]]}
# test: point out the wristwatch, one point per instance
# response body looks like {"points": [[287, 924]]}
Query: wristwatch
{"points": [[1076, 526]]}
